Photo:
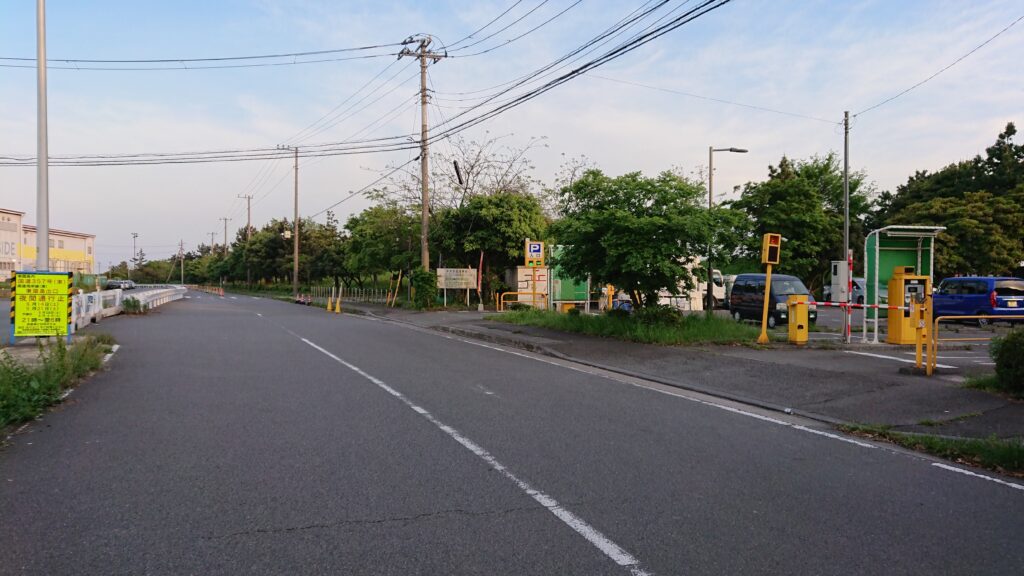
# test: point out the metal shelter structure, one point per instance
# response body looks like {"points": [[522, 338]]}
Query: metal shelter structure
{"points": [[887, 248]]}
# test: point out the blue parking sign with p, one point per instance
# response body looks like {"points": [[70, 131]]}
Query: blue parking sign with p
{"points": [[535, 248]]}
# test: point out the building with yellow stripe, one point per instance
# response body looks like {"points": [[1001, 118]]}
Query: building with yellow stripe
{"points": [[69, 251]]}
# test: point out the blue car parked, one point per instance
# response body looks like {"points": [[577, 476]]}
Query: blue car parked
{"points": [[980, 296]]}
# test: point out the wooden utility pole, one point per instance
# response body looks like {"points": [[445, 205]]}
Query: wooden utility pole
{"points": [[424, 55]]}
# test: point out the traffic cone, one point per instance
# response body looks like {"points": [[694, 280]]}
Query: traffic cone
{"points": [[330, 304], [337, 305]]}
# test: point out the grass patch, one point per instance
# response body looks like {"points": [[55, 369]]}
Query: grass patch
{"points": [[25, 391], [990, 383], [694, 329], [1005, 456]]}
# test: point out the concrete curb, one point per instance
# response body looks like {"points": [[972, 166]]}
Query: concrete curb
{"points": [[515, 343]]}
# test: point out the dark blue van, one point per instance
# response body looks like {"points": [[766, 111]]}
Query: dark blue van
{"points": [[746, 301], [980, 296]]}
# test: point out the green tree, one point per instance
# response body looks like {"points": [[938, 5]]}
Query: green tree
{"points": [[637, 233], [494, 227], [979, 201], [803, 201]]}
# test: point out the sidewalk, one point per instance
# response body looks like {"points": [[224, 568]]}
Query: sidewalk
{"points": [[835, 384]]}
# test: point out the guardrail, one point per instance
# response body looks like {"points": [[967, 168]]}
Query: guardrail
{"points": [[90, 307], [534, 297], [933, 342]]}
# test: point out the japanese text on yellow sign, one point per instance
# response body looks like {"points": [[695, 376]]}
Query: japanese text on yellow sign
{"points": [[40, 304]]}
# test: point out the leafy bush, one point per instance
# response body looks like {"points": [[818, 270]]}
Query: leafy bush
{"points": [[1008, 354], [691, 329], [131, 305], [619, 313], [660, 315], [26, 390], [573, 312], [424, 285]]}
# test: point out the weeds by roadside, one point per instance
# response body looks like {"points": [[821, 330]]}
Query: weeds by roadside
{"points": [[685, 329], [1005, 456], [25, 391]]}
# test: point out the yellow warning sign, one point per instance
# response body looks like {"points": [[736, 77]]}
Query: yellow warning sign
{"points": [[40, 303]]}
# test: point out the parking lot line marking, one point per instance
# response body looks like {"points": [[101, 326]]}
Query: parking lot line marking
{"points": [[976, 475], [610, 549], [891, 358]]}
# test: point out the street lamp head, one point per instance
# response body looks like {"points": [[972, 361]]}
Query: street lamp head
{"points": [[738, 150]]}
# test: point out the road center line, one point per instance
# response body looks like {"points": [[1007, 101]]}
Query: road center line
{"points": [[591, 534]]}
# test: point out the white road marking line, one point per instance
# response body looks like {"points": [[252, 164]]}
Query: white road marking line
{"points": [[941, 357], [113, 349], [976, 475], [591, 534], [260, 315], [984, 363], [891, 358], [485, 390]]}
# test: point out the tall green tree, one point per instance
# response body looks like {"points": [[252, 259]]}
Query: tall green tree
{"points": [[640, 234], [979, 201], [803, 201], [492, 228]]}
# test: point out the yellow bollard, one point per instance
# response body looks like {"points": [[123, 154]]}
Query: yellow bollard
{"points": [[337, 305], [330, 304]]}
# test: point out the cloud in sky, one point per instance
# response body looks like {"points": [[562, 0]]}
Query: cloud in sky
{"points": [[815, 58]]}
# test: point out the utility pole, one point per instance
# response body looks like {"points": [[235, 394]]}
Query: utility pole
{"points": [[135, 254], [295, 224], [225, 235], [846, 221], [213, 244], [181, 253], [42, 148], [248, 216], [423, 54], [248, 236]]}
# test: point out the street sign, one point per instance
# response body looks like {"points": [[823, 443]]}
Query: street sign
{"points": [[456, 278], [40, 304], [534, 254]]}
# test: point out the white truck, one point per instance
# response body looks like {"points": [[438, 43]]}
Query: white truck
{"points": [[695, 299]]}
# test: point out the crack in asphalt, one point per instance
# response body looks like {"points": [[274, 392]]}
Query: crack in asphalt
{"points": [[377, 521]]}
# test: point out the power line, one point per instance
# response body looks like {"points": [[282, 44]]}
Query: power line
{"points": [[300, 133], [209, 59], [528, 32], [213, 67], [365, 188], [495, 33], [484, 27], [719, 100], [950, 65]]}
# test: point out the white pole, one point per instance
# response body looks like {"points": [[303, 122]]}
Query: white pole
{"points": [[42, 149]]}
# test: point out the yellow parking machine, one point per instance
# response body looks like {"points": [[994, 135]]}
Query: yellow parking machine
{"points": [[912, 287]]}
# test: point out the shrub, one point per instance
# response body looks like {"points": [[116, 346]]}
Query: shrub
{"points": [[620, 313], [573, 312], [1008, 354], [132, 305], [660, 315], [424, 285], [25, 390]]}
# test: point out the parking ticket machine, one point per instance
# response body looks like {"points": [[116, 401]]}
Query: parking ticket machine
{"points": [[913, 287]]}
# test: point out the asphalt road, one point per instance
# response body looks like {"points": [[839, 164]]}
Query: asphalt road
{"points": [[245, 436]]}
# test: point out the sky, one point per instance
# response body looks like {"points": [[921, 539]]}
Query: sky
{"points": [[789, 69]]}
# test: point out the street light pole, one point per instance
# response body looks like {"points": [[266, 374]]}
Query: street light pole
{"points": [[42, 148], [710, 298]]}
